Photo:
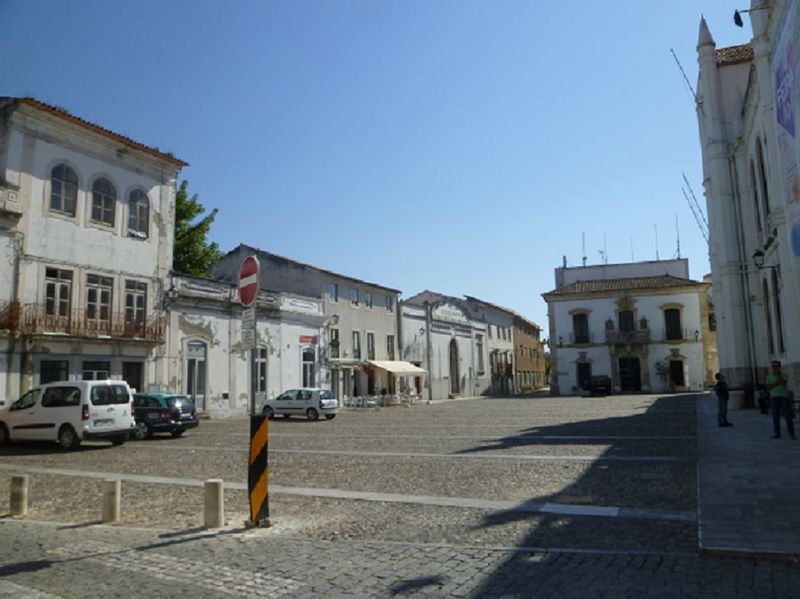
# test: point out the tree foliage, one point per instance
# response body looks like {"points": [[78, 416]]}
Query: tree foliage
{"points": [[193, 255]]}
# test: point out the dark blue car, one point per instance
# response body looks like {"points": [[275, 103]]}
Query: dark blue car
{"points": [[163, 413]]}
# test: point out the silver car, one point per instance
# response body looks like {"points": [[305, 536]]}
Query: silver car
{"points": [[308, 402]]}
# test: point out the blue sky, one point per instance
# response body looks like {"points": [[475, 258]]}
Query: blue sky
{"points": [[457, 146]]}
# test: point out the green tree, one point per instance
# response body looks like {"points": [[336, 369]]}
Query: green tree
{"points": [[193, 255]]}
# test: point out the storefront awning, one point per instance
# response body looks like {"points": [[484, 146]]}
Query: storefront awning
{"points": [[398, 367]]}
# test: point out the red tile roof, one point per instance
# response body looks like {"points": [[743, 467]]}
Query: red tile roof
{"points": [[628, 284], [63, 114], [734, 55]]}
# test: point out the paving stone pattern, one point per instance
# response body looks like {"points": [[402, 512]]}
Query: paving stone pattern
{"points": [[427, 501]]}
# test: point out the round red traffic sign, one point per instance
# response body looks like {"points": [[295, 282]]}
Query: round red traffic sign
{"points": [[248, 280]]}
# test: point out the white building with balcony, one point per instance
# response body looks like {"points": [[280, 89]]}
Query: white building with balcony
{"points": [[86, 242], [643, 324]]}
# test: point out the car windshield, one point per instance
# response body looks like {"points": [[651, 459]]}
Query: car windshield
{"points": [[182, 403], [326, 395]]}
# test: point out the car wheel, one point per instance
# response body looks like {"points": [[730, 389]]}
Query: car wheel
{"points": [[5, 439], [268, 412], [141, 431], [312, 414], [177, 433], [330, 416], [119, 439], [68, 438]]}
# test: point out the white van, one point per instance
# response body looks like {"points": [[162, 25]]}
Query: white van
{"points": [[69, 412]]}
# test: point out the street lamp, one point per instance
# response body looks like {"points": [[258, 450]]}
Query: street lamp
{"points": [[737, 14], [758, 260]]}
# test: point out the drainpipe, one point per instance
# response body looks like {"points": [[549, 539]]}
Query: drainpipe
{"points": [[19, 238], [428, 349], [748, 317]]}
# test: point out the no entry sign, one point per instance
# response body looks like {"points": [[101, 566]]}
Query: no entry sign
{"points": [[248, 280]]}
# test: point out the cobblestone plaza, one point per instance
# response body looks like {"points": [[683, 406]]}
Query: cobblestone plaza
{"points": [[533, 497]]}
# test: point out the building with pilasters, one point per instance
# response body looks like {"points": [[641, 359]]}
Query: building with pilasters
{"points": [[748, 115]]}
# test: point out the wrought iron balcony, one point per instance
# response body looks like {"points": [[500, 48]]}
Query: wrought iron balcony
{"points": [[640, 336], [35, 320]]}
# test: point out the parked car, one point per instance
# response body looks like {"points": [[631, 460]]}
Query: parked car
{"points": [[308, 402], [163, 413], [599, 384], [69, 412]]}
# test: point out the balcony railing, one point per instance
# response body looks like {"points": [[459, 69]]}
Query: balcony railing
{"points": [[640, 336], [34, 319], [581, 338]]}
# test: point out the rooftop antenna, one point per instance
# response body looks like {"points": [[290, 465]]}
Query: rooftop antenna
{"points": [[604, 252], [678, 235], [632, 259], [656, 228], [583, 246], [688, 84]]}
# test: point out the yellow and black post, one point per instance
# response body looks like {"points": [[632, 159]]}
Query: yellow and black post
{"points": [[258, 471]]}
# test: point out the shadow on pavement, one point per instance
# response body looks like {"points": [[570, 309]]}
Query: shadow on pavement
{"points": [[416, 584], [666, 416], [25, 567]]}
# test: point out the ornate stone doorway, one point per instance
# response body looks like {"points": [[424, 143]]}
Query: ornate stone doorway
{"points": [[630, 374]]}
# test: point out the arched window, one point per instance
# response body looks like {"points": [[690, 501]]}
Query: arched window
{"points": [[754, 186], [104, 202], [762, 172], [138, 212], [63, 190]]}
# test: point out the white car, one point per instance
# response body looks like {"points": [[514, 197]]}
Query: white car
{"points": [[308, 402], [69, 412]]}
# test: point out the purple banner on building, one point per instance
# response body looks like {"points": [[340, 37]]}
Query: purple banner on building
{"points": [[785, 79]]}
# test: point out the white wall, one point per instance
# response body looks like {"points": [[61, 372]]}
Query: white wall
{"points": [[207, 311], [651, 268]]}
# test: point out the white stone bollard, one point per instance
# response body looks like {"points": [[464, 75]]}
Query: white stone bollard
{"points": [[214, 504], [19, 495], [111, 500]]}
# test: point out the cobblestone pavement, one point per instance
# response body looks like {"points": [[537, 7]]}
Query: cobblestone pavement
{"points": [[540, 497]]}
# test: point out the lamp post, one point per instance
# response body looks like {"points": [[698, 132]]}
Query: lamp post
{"points": [[428, 349]]}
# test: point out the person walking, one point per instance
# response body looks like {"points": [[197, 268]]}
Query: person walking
{"points": [[779, 400], [721, 391]]}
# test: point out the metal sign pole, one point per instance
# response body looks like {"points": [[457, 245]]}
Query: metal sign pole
{"points": [[258, 462]]}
